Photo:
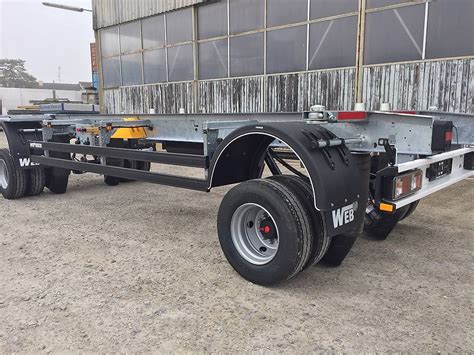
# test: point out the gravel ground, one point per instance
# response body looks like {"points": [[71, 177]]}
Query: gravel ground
{"points": [[138, 268]]}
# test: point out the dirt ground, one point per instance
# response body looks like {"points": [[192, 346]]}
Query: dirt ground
{"points": [[138, 268]]}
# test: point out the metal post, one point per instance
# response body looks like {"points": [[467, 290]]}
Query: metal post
{"points": [[360, 52]]}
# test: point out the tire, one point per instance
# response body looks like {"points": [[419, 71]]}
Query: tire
{"points": [[411, 209], [144, 165], [302, 189], [36, 181], [129, 164], [57, 183], [112, 180], [12, 180], [381, 225], [283, 219]]}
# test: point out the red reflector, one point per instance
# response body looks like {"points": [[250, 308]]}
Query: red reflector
{"points": [[448, 136], [351, 115]]}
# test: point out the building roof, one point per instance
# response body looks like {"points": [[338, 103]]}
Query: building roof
{"points": [[64, 86]]}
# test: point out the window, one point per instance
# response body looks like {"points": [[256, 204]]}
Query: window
{"points": [[333, 43], [111, 71], [131, 69], [109, 42], [246, 55], [179, 26], [212, 20], [213, 59], [180, 63], [394, 35], [327, 8], [130, 40], [153, 32], [450, 29], [154, 66], [282, 12], [286, 50], [371, 4], [246, 15]]}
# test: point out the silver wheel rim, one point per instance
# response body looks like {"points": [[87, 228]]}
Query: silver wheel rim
{"points": [[254, 234], [3, 175]]}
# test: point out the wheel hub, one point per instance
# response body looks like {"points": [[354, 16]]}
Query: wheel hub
{"points": [[254, 234], [267, 230], [3, 175]]}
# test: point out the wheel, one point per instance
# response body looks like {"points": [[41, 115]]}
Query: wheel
{"points": [[112, 180], [411, 209], [144, 165], [264, 231], [129, 164], [302, 188], [36, 181], [12, 180], [379, 225], [57, 182]]}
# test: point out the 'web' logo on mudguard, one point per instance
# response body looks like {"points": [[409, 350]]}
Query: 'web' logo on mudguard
{"points": [[24, 162], [343, 215]]}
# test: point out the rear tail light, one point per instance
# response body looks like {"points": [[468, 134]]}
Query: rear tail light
{"points": [[406, 184]]}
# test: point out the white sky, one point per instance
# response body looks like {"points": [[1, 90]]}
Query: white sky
{"points": [[47, 38]]}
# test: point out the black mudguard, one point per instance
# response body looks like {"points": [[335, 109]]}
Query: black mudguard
{"points": [[18, 140], [339, 185]]}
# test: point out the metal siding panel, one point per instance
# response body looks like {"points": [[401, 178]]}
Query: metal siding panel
{"points": [[112, 12], [448, 85], [164, 98]]}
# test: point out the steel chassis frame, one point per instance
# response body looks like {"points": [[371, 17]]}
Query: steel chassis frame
{"points": [[405, 135]]}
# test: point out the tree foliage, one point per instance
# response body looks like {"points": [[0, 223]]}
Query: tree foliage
{"points": [[13, 74]]}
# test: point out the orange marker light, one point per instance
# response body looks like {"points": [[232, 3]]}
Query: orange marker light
{"points": [[386, 207]]}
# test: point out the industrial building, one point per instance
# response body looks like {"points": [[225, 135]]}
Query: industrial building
{"points": [[279, 55]]}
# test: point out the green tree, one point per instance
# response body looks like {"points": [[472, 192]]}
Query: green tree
{"points": [[14, 75]]}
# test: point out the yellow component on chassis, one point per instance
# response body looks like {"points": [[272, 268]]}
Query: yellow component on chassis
{"points": [[130, 133]]}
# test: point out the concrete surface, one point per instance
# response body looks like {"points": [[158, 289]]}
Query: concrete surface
{"points": [[138, 268]]}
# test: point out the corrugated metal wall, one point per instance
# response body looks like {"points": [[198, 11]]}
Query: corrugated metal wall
{"points": [[112, 12], [447, 85], [165, 98], [279, 93]]}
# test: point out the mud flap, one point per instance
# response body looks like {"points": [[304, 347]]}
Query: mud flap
{"points": [[18, 136], [341, 244]]}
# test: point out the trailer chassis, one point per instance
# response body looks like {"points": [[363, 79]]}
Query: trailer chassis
{"points": [[359, 168]]}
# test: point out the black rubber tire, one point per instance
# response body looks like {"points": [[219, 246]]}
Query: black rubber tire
{"points": [[129, 164], [381, 227], [411, 209], [112, 180], [144, 165], [302, 188], [293, 223], [57, 183], [17, 179], [36, 181]]}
